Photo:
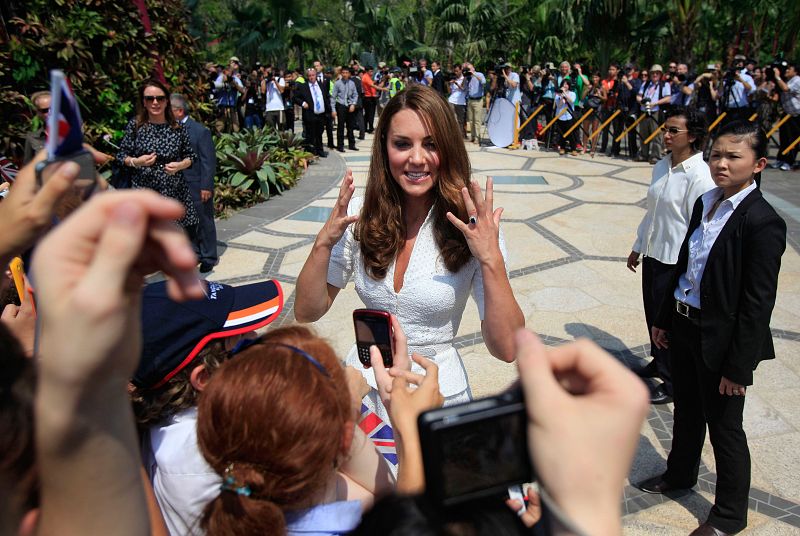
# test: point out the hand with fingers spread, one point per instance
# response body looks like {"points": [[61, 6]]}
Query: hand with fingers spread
{"points": [[314, 295], [585, 411], [338, 220], [482, 230], [28, 210], [400, 361]]}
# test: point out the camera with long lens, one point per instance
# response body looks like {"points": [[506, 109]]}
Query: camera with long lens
{"points": [[730, 75], [647, 105]]}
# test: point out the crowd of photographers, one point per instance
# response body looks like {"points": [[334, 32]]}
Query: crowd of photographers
{"points": [[631, 99]]}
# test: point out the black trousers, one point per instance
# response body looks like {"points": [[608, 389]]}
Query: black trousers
{"points": [[790, 130], [204, 235], [613, 130], [656, 280], [329, 129], [344, 118], [568, 143], [370, 104], [697, 404], [313, 125]]}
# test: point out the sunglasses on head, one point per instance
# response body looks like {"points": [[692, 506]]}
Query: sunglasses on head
{"points": [[156, 98]]}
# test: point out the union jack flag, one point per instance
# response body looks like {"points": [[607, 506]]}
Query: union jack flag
{"points": [[67, 123], [380, 433], [8, 171]]}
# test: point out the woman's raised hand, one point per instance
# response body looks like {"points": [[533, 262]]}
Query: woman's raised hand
{"points": [[146, 160], [482, 231], [338, 221]]}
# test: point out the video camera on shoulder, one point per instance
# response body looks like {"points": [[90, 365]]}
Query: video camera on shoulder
{"points": [[778, 63], [475, 450]]}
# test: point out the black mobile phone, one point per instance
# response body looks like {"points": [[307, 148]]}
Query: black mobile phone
{"points": [[373, 327], [476, 449]]}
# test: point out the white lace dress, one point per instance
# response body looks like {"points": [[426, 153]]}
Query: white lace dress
{"points": [[429, 305]]}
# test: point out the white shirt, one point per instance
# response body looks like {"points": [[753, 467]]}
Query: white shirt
{"points": [[458, 96], [562, 103], [274, 96], [316, 95], [183, 481], [737, 98], [331, 519], [513, 94], [670, 199], [429, 306], [702, 240]]}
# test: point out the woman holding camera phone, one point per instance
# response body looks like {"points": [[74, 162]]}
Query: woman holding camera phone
{"points": [[156, 150], [715, 322], [424, 238]]}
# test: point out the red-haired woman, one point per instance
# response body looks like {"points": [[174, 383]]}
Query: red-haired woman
{"points": [[278, 423], [424, 238], [156, 148]]}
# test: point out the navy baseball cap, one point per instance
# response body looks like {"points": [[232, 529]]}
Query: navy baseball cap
{"points": [[174, 333]]}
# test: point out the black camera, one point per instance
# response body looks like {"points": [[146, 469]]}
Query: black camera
{"points": [[778, 63], [476, 449], [467, 73]]}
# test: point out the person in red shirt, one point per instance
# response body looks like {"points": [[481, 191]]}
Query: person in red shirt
{"points": [[370, 98]]}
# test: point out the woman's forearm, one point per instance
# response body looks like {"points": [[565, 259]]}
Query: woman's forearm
{"points": [[312, 294], [367, 467], [502, 316]]}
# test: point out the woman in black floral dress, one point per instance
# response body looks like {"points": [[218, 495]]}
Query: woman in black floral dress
{"points": [[157, 149]]}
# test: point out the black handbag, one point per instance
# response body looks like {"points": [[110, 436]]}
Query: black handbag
{"points": [[122, 175]]}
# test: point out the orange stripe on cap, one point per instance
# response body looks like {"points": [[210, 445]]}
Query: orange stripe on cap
{"points": [[261, 307]]}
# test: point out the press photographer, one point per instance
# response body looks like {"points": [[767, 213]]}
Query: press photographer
{"points": [[735, 89], [654, 94], [788, 83], [228, 86]]}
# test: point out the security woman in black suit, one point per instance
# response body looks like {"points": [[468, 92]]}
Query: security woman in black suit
{"points": [[716, 323]]}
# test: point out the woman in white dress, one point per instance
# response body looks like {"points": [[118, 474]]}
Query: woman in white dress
{"points": [[421, 240]]}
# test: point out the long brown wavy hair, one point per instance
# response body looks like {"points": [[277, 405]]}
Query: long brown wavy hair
{"points": [[380, 229], [274, 422], [142, 116]]}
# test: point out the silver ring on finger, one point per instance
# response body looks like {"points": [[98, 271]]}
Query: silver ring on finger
{"points": [[473, 220]]}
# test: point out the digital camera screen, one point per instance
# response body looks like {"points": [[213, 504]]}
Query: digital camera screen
{"points": [[484, 454]]}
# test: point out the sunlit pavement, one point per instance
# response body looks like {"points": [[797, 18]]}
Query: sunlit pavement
{"points": [[569, 223]]}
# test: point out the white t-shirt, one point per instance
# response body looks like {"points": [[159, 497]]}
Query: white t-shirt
{"points": [[458, 96], [183, 481], [274, 96], [513, 94]]}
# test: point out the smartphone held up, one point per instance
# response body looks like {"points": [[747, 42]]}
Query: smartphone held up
{"points": [[373, 327]]}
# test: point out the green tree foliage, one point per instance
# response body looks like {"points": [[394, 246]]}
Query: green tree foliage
{"points": [[103, 48]]}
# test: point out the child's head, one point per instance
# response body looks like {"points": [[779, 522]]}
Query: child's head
{"points": [[184, 343], [738, 155], [274, 422]]}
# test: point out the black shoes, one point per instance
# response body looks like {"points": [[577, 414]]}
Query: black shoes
{"points": [[659, 395], [657, 486], [206, 267], [340, 149], [352, 148], [323, 154]]}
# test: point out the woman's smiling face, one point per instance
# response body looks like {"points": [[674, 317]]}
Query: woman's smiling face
{"points": [[412, 154]]}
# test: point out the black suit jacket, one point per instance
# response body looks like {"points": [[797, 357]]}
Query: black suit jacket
{"points": [[738, 288], [201, 174], [302, 93]]}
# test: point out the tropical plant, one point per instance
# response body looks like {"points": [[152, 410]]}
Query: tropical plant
{"points": [[263, 160]]}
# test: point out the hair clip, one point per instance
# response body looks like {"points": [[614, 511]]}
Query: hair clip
{"points": [[229, 483]]}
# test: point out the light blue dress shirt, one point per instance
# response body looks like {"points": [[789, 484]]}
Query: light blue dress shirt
{"points": [[332, 519], [702, 240]]}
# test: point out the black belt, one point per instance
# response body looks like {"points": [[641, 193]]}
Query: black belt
{"points": [[684, 309], [476, 98]]}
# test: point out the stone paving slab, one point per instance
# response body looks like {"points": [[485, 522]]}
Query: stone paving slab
{"points": [[568, 240]]}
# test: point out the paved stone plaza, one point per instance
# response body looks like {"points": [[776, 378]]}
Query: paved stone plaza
{"points": [[569, 223]]}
